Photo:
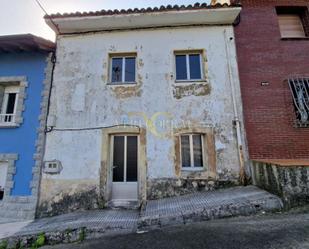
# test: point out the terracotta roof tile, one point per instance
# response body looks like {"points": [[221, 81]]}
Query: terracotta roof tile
{"points": [[142, 10]]}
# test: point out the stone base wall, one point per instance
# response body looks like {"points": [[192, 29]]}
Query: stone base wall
{"points": [[69, 200], [17, 208], [291, 183], [169, 187]]}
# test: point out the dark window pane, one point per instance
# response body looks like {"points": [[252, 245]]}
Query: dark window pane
{"points": [[130, 69], [116, 69], [195, 66], [11, 103], [181, 67], [197, 151], [118, 159], [185, 151], [131, 159]]}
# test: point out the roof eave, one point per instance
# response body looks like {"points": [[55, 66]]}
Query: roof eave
{"points": [[25, 43], [80, 24]]}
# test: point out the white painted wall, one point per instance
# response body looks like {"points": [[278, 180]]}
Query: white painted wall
{"points": [[81, 97]]}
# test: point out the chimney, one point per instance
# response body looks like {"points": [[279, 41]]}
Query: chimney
{"points": [[213, 2]]}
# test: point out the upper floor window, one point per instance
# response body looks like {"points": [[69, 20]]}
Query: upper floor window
{"points": [[293, 22], [300, 92], [8, 101], [123, 69], [192, 151], [188, 66]]}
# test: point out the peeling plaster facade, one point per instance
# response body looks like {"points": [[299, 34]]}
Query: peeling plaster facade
{"points": [[83, 103]]}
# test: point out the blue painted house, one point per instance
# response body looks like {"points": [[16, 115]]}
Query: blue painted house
{"points": [[26, 64]]}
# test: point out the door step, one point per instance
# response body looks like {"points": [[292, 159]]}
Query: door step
{"points": [[123, 204]]}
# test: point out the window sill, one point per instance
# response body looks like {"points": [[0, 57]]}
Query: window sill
{"points": [[197, 169], [8, 125], [190, 81], [294, 38], [122, 83]]}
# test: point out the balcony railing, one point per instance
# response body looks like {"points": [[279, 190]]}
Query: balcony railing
{"points": [[7, 119]]}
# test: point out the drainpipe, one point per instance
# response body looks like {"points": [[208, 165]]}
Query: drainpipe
{"points": [[53, 61], [236, 121]]}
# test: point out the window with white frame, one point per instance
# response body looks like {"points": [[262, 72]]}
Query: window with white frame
{"points": [[192, 151], [188, 66], [123, 69], [3, 174], [8, 104]]}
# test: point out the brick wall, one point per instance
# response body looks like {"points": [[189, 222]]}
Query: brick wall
{"points": [[264, 57]]}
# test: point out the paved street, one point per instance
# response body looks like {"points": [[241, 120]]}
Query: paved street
{"points": [[158, 213], [274, 231]]}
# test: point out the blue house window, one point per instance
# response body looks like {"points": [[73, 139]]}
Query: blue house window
{"points": [[123, 69], [189, 66], [9, 97], [3, 174]]}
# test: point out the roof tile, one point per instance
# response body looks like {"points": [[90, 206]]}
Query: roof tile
{"points": [[142, 10]]}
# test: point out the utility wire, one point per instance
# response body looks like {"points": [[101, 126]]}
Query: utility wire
{"points": [[91, 128], [47, 15]]}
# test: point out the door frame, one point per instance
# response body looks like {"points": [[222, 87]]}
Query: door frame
{"points": [[106, 172]]}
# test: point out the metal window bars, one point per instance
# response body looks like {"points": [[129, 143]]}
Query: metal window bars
{"points": [[300, 91]]}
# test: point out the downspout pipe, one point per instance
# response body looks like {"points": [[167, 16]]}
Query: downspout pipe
{"points": [[53, 62], [236, 121]]}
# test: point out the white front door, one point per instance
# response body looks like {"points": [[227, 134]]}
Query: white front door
{"points": [[124, 169]]}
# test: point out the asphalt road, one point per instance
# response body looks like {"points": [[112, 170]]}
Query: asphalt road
{"points": [[276, 231]]}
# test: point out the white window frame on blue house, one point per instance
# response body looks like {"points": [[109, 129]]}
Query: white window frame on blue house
{"points": [[5, 116], [9, 160], [12, 85]]}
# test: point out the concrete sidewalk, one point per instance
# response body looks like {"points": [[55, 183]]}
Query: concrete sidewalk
{"points": [[157, 213], [208, 205]]}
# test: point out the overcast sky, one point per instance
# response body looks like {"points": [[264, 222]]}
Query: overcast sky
{"points": [[25, 16]]}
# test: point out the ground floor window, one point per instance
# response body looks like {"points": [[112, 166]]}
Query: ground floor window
{"points": [[192, 151], [300, 91], [3, 175]]}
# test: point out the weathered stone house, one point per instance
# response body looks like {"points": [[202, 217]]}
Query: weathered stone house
{"points": [[145, 104]]}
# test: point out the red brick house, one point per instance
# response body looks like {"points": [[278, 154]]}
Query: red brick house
{"points": [[272, 38]]}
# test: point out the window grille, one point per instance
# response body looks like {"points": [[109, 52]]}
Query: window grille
{"points": [[300, 91]]}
